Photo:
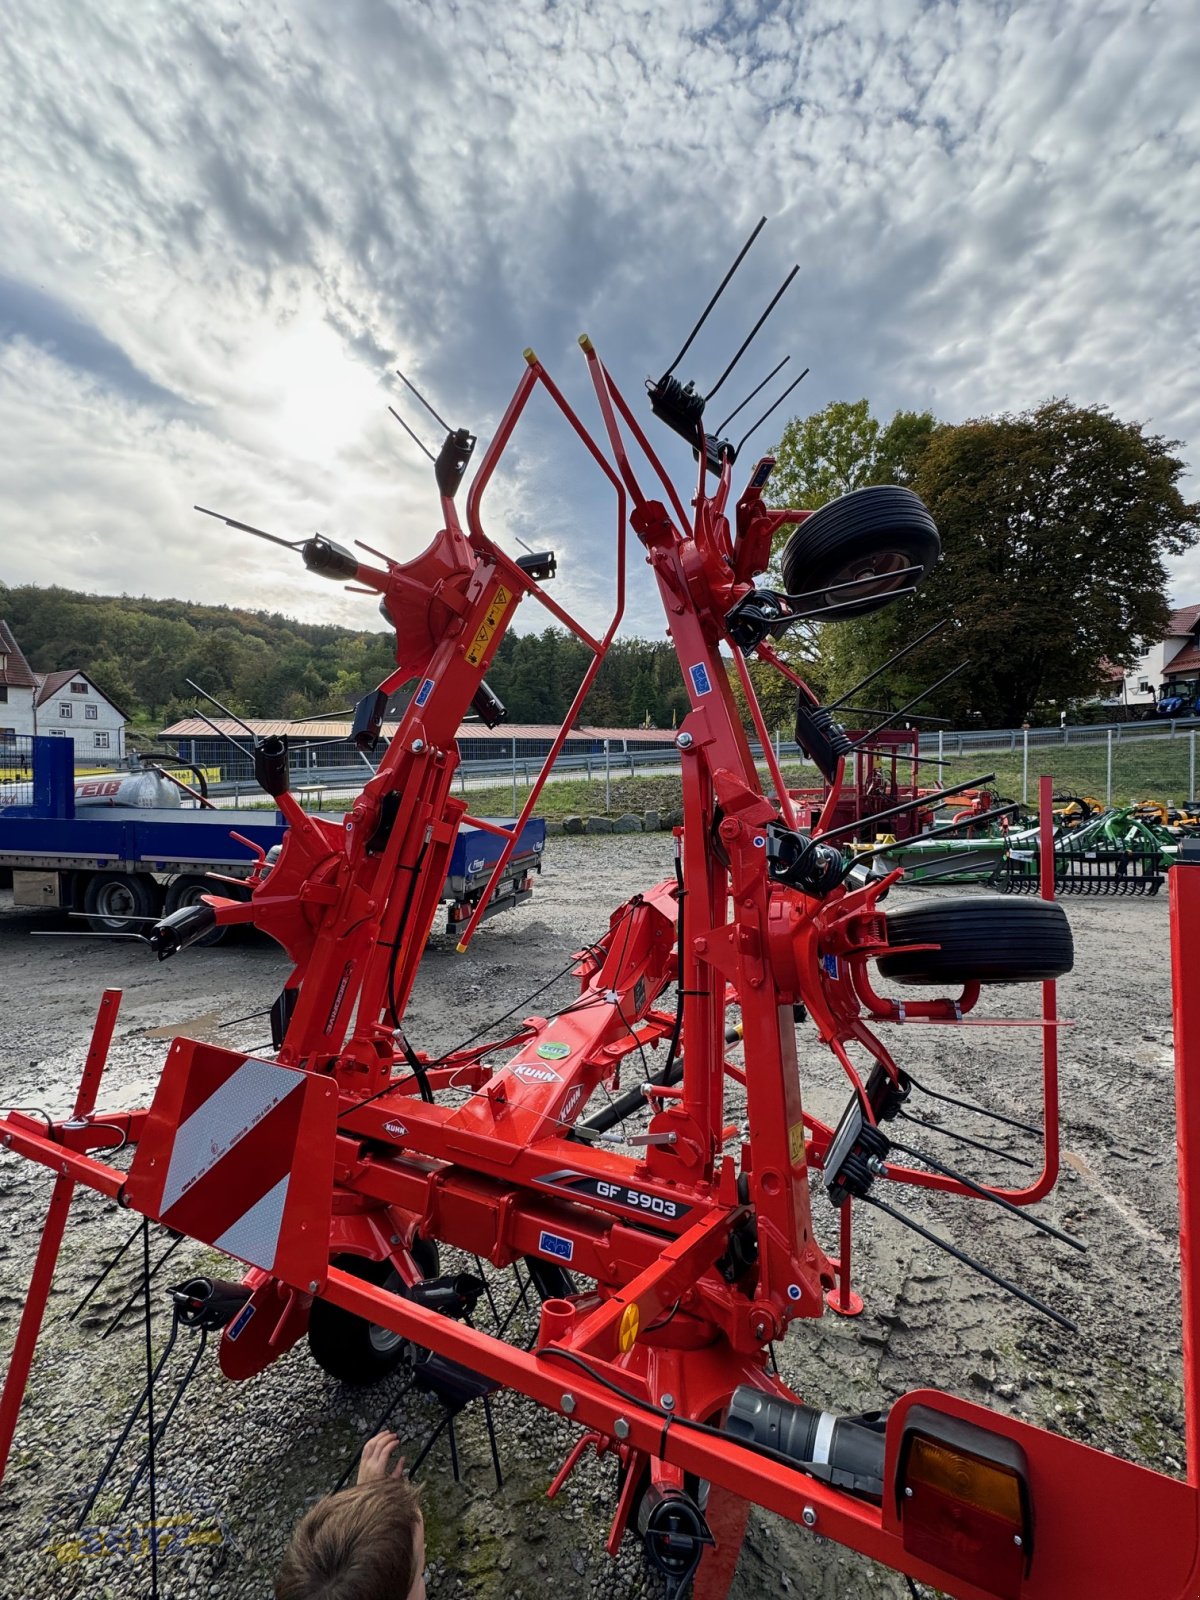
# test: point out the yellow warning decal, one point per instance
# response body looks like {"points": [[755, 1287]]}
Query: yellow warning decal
{"points": [[796, 1143], [500, 603], [630, 1319]]}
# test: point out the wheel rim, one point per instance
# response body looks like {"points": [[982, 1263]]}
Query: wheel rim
{"points": [[887, 566], [115, 902], [385, 1341]]}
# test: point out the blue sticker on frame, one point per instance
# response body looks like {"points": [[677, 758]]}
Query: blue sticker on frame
{"points": [[701, 681], [553, 1244], [424, 691]]}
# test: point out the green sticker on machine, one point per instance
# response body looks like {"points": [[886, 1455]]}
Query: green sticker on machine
{"points": [[552, 1051]]}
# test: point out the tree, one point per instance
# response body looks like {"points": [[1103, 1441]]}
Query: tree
{"points": [[843, 448], [819, 457], [1055, 526]]}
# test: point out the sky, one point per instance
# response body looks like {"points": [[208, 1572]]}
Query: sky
{"points": [[223, 226]]}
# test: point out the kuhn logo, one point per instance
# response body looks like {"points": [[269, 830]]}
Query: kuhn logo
{"points": [[571, 1103], [532, 1073], [396, 1128]]}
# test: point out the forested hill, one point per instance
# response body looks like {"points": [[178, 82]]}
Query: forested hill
{"points": [[261, 664]]}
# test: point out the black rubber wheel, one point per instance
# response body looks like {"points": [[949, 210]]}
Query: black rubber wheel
{"points": [[350, 1348], [189, 891], [121, 902], [982, 938], [872, 533]]}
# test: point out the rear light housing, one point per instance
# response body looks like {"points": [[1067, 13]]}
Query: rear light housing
{"points": [[962, 1496]]}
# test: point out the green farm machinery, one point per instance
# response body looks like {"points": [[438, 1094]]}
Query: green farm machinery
{"points": [[1098, 850]]}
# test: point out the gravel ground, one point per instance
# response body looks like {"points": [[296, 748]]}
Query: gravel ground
{"points": [[239, 1463]]}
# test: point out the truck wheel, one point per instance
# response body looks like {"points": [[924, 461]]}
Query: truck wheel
{"points": [[877, 533], [121, 902], [350, 1348], [189, 891], [983, 939]]}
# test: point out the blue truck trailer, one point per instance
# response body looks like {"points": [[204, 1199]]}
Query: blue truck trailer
{"points": [[101, 844]]}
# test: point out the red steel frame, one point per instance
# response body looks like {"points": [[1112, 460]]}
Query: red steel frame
{"points": [[369, 1164]]}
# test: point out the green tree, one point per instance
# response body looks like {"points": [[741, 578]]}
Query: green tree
{"points": [[831, 452], [842, 448], [1055, 524]]}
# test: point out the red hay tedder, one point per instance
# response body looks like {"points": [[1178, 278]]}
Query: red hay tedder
{"points": [[668, 1266]]}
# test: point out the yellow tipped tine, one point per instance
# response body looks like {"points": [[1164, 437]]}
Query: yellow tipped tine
{"points": [[585, 344], [460, 949], [531, 357]]}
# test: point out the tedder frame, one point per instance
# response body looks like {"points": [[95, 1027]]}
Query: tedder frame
{"points": [[331, 1165]]}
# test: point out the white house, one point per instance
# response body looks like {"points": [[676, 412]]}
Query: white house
{"points": [[18, 689], [59, 704], [1172, 666]]}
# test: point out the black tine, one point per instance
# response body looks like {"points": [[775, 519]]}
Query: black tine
{"points": [[720, 290], [970, 1261], [986, 1194], [982, 1111]]}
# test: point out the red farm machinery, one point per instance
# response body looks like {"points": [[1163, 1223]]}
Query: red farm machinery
{"points": [[668, 1261]]}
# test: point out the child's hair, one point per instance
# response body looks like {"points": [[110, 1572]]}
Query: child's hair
{"points": [[360, 1544]]}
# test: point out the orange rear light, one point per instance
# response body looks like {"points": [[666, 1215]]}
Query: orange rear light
{"points": [[966, 1478], [963, 1497]]}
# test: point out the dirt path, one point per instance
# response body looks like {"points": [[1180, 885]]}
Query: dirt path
{"points": [[250, 1457]]}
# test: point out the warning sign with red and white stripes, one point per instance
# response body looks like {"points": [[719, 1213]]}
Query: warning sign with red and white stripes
{"points": [[238, 1152]]}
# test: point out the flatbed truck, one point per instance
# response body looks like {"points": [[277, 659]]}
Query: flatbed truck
{"points": [[123, 865]]}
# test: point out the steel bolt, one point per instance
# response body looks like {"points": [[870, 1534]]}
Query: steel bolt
{"points": [[417, 746], [568, 1404], [809, 1517], [876, 1166], [684, 741], [667, 1402], [621, 1428], [908, 1494], [1017, 1540], [313, 1286]]}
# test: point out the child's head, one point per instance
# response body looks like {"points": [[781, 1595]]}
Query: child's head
{"points": [[366, 1543]]}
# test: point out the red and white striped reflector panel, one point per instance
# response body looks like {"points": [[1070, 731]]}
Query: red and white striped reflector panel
{"points": [[238, 1152]]}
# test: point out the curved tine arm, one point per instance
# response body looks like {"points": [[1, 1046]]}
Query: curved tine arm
{"points": [[604, 398], [498, 444], [721, 499], [787, 810]]}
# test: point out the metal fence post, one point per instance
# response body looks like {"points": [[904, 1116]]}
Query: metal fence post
{"points": [[1025, 766], [514, 777], [941, 741], [1192, 765], [1108, 781], [607, 777]]}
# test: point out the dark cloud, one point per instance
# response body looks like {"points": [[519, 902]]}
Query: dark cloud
{"points": [[31, 314]]}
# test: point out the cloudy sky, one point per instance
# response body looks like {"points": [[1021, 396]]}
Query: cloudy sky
{"points": [[223, 225]]}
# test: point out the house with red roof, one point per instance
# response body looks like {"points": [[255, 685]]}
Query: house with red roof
{"points": [[63, 705], [1171, 667]]}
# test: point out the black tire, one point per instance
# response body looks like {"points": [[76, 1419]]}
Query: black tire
{"points": [[189, 891], [982, 939], [879, 530], [121, 902], [350, 1348]]}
